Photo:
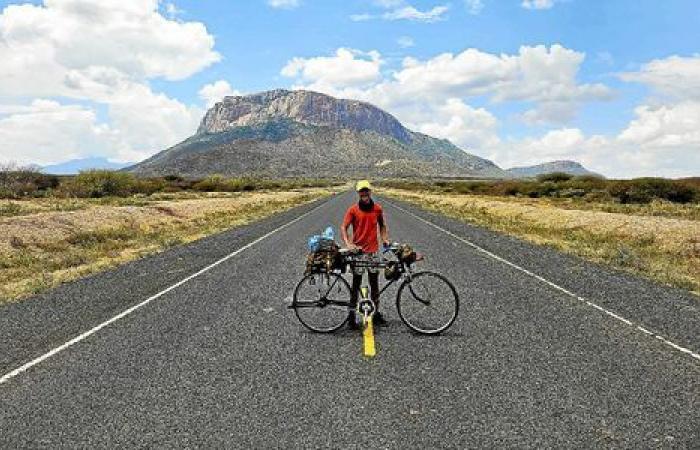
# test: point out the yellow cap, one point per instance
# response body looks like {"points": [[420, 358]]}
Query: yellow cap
{"points": [[362, 184]]}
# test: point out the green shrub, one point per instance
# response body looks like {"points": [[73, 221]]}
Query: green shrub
{"points": [[148, 186], [644, 190], [211, 183], [100, 183], [555, 177], [18, 182]]}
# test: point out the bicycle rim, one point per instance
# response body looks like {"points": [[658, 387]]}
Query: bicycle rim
{"points": [[321, 302], [428, 303]]}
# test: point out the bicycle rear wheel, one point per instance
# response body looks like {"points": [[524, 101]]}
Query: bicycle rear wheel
{"points": [[427, 303], [322, 301]]}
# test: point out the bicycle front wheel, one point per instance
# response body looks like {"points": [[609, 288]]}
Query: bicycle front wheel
{"points": [[427, 303], [322, 301]]}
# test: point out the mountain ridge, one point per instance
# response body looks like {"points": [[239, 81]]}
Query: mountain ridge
{"points": [[564, 166], [283, 133]]}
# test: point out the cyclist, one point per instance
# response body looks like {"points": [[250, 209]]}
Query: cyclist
{"points": [[364, 217]]}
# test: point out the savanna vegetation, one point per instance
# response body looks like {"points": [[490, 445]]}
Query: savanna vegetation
{"points": [[26, 182], [55, 229], [648, 226]]}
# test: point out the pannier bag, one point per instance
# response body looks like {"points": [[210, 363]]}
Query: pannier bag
{"points": [[407, 255], [391, 271], [324, 254]]}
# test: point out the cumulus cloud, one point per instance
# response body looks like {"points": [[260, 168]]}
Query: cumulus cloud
{"points": [[665, 126], [665, 132], [348, 68], [453, 119], [624, 155], [215, 92], [411, 13], [537, 74], [541, 76], [104, 53], [45, 132], [400, 10], [558, 144], [675, 76]]}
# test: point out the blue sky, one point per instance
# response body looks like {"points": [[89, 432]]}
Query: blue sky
{"points": [[610, 83]]}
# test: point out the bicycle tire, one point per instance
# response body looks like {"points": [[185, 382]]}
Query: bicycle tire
{"points": [[432, 317], [317, 314]]}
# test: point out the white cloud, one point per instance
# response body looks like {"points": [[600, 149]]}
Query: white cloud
{"points": [[535, 74], [666, 130], [130, 36], [537, 4], [541, 76], [401, 10], [215, 92], [462, 124], [46, 132], [104, 53], [348, 68], [429, 95], [675, 76], [405, 42], [627, 155], [665, 126], [474, 6], [284, 4], [411, 13]]}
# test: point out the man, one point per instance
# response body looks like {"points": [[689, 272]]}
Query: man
{"points": [[364, 217]]}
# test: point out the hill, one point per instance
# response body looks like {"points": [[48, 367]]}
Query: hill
{"points": [[283, 133]]}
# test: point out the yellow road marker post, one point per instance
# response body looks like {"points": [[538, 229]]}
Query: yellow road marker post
{"points": [[368, 335]]}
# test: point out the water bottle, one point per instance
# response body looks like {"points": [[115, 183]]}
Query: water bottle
{"points": [[328, 234], [313, 243]]}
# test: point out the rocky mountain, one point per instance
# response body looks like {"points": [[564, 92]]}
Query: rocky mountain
{"points": [[284, 133], [570, 167]]}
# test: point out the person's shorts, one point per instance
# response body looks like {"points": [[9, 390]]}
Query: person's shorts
{"points": [[367, 257]]}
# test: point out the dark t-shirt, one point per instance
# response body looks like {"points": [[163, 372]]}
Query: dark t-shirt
{"points": [[364, 226]]}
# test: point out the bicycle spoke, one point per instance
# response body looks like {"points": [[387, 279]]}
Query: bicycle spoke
{"points": [[427, 303], [321, 302]]}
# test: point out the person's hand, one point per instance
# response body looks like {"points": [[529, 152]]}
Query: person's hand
{"points": [[352, 247]]}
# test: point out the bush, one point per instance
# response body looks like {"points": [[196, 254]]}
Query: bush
{"points": [[17, 181], [148, 186], [100, 183], [555, 177], [644, 190]]}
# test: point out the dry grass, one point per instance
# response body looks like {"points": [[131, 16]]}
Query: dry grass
{"points": [[54, 241], [666, 249]]}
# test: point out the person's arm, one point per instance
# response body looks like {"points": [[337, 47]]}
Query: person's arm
{"points": [[383, 229], [347, 221]]}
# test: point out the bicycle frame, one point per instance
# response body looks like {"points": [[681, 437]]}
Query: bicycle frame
{"points": [[355, 263], [403, 268]]}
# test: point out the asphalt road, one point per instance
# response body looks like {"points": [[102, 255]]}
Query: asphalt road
{"points": [[218, 361]]}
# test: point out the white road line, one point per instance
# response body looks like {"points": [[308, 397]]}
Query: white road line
{"points": [[8, 376], [555, 286]]}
